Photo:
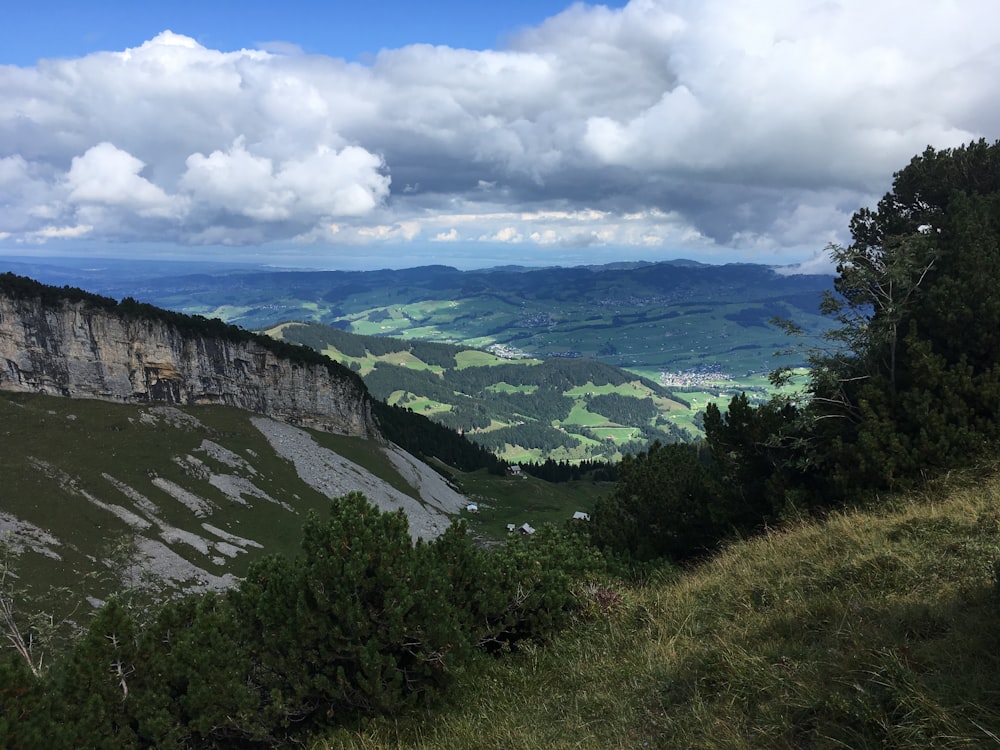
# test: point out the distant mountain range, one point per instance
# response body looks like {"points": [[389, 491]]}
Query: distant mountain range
{"points": [[673, 316]]}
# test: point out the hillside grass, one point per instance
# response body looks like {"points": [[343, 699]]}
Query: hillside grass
{"points": [[524, 499], [865, 630], [57, 452]]}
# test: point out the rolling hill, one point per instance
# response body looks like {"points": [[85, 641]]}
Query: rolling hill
{"points": [[521, 409]]}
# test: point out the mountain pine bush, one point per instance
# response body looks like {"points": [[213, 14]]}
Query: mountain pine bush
{"points": [[362, 622]]}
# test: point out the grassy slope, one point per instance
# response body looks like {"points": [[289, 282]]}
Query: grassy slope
{"points": [[867, 630], [91, 441], [93, 444], [518, 500]]}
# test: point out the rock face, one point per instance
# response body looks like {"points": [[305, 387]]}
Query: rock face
{"points": [[74, 348]]}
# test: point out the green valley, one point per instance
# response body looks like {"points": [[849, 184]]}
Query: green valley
{"points": [[521, 409], [568, 364]]}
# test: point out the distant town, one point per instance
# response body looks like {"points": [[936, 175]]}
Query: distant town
{"points": [[507, 352], [700, 377]]}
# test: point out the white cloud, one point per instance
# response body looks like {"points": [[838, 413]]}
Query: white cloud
{"points": [[406, 231], [60, 233], [321, 184], [692, 125], [236, 181], [107, 176], [506, 234]]}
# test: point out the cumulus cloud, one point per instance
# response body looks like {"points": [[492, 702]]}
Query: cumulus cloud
{"points": [[687, 126], [319, 184], [106, 176]]}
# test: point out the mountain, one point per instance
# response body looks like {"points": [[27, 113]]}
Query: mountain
{"points": [[77, 344], [187, 447], [651, 318]]}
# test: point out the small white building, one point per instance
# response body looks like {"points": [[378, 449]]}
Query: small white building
{"points": [[581, 516], [526, 529], [472, 508]]}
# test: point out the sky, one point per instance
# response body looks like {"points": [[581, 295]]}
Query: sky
{"points": [[474, 134]]}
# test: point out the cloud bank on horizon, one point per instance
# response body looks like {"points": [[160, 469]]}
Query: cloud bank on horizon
{"points": [[711, 129]]}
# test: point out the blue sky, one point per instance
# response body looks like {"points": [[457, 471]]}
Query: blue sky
{"points": [[352, 30], [350, 135]]}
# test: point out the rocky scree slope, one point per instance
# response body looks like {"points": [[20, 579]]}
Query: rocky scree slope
{"points": [[96, 495]]}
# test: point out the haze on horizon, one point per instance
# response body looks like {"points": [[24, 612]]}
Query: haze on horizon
{"points": [[394, 134]]}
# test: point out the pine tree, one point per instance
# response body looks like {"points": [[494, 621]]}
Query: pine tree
{"points": [[666, 504], [359, 623], [911, 384]]}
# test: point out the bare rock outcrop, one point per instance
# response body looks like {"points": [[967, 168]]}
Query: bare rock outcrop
{"points": [[73, 347]]}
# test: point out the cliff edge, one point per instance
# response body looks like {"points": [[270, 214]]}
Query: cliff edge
{"points": [[71, 343]]}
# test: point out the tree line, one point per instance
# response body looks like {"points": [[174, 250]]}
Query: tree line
{"points": [[429, 440], [906, 386]]}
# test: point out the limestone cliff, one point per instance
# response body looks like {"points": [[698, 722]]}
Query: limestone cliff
{"points": [[85, 346]]}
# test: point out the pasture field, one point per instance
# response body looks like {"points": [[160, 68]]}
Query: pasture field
{"points": [[563, 408]]}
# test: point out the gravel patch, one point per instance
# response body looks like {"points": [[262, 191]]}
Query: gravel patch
{"points": [[235, 487], [158, 561], [19, 535], [335, 476], [70, 484], [231, 538], [172, 535], [432, 487], [172, 416], [197, 505], [225, 456]]}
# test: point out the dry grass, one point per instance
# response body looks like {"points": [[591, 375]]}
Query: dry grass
{"points": [[866, 630]]}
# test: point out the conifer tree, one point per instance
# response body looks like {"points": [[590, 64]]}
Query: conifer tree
{"points": [[666, 504], [359, 623], [911, 384]]}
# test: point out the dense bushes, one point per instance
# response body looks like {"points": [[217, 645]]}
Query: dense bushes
{"points": [[370, 625], [912, 387], [362, 622], [667, 504]]}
